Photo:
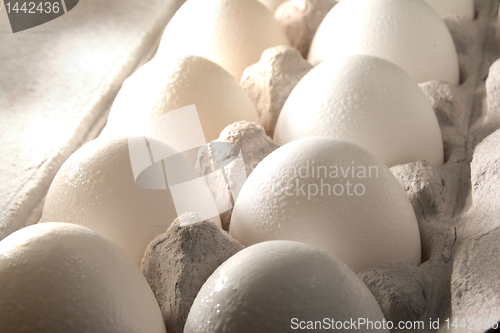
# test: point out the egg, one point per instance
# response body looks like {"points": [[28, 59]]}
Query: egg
{"points": [[96, 187], [280, 286], [462, 7], [163, 86], [406, 32], [60, 277], [231, 33], [368, 101], [330, 194], [272, 5]]}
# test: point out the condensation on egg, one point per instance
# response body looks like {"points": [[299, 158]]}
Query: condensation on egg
{"points": [[231, 33], [332, 195], [462, 7], [96, 188], [368, 101], [161, 86], [277, 286], [60, 277], [406, 32]]}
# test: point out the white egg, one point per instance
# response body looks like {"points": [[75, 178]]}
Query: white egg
{"points": [[96, 188], [281, 286], [462, 7], [272, 5], [231, 33], [332, 195], [59, 278], [368, 101], [406, 32], [162, 86]]}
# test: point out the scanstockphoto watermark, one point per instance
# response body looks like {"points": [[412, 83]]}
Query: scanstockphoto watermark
{"points": [[462, 324], [313, 179], [355, 324]]}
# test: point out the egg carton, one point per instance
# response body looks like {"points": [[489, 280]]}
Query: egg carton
{"points": [[456, 204], [57, 81]]}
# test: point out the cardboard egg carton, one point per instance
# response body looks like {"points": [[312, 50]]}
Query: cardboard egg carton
{"points": [[457, 205], [57, 82]]}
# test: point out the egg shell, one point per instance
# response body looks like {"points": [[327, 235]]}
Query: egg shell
{"points": [[406, 32], [60, 277], [283, 199], [368, 101], [272, 5], [96, 188], [265, 286], [161, 86], [461, 7], [231, 33]]}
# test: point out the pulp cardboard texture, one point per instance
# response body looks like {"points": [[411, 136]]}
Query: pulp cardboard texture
{"points": [[57, 82]]}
